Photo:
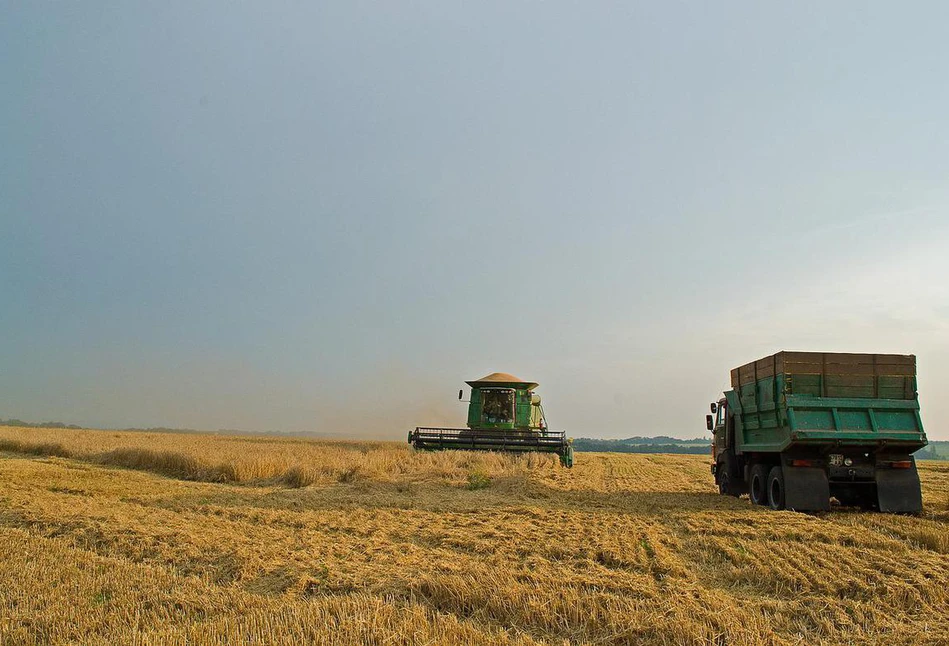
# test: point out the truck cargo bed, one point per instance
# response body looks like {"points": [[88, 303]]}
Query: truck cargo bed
{"points": [[798, 398]]}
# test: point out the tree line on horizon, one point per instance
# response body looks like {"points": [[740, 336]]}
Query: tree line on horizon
{"points": [[935, 450], [640, 444]]}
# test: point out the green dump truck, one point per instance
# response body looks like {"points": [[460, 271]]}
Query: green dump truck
{"points": [[798, 428]]}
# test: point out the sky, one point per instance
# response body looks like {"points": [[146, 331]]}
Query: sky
{"points": [[327, 216]]}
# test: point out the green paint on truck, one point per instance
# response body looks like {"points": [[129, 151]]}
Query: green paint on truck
{"points": [[798, 428]]}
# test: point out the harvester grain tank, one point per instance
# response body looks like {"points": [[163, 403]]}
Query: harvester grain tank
{"points": [[504, 414], [798, 428]]}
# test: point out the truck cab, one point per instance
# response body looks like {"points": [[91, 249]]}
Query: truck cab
{"points": [[717, 422], [727, 467]]}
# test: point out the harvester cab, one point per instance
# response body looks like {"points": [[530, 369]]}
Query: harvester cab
{"points": [[504, 414]]}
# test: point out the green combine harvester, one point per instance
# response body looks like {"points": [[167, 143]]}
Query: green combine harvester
{"points": [[504, 414]]}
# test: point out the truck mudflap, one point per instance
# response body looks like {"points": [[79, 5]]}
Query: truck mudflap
{"points": [[806, 489], [898, 490]]}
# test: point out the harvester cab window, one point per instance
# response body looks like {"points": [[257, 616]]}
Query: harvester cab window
{"points": [[721, 416], [498, 406]]}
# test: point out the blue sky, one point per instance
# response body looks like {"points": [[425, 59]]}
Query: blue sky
{"points": [[327, 216]]}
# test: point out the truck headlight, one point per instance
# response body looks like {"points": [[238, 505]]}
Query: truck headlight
{"points": [[848, 462]]}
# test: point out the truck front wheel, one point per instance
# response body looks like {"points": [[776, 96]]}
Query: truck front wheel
{"points": [[726, 482], [776, 489], [758, 485]]}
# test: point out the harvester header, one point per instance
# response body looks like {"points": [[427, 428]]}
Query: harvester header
{"points": [[504, 414]]}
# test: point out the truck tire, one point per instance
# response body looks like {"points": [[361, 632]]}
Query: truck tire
{"points": [[726, 481], [758, 484], [776, 488]]}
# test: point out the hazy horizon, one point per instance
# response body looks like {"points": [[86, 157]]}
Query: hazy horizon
{"points": [[327, 217]]}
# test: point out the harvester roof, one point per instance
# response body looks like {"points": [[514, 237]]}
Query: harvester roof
{"points": [[502, 379]]}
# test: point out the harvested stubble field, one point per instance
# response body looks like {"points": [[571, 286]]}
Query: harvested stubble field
{"points": [[138, 538]]}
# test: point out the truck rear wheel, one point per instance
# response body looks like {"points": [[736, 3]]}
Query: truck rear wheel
{"points": [[776, 489], [758, 485]]}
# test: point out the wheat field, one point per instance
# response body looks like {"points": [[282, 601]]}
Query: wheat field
{"points": [[158, 538]]}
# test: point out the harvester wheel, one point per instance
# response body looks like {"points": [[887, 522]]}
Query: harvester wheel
{"points": [[758, 484], [776, 488]]}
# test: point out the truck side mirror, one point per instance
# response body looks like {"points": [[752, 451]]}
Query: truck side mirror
{"points": [[709, 422], [714, 407], [460, 393]]}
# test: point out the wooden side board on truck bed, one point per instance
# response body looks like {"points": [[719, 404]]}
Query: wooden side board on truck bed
{"points": [[824, 374]]}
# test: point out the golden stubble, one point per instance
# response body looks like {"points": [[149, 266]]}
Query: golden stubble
{"points": [[196, 539]]}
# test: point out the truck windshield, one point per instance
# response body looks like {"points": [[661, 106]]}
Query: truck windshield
{"points": [[498, 406]]}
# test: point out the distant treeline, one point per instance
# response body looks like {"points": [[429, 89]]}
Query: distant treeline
{"points": [[658, 444], [159, 429], [936, 450], [21, 423], [165, 429]]}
